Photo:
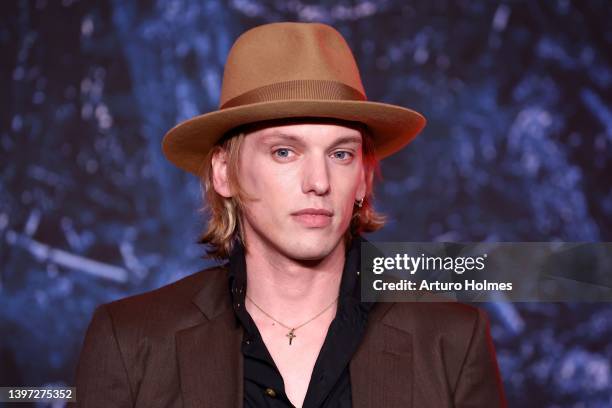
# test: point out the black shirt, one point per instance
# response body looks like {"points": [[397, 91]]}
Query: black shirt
{"points": [[330, 381]]}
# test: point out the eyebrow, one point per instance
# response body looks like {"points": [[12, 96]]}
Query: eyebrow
{"points": [[284, 136]]}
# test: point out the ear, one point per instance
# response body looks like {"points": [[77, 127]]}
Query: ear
{"points": [[219, 176]]}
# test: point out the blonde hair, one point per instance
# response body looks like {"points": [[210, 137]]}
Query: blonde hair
{"points": [[225, 214]]}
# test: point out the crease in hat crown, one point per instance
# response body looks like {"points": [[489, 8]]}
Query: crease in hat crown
{"points": [[282, 53], [289, 70]]}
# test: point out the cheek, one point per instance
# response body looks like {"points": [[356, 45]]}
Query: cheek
{"points": [[254, 177], [272, 187], [346, 184]]}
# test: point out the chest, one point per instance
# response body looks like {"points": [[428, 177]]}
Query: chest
{"points": [[294, 361]]}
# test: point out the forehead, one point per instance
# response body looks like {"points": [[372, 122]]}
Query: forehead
{"points": [[310, 131]]}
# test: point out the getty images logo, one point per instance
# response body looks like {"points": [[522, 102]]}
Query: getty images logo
{"points": [[413, 264]]}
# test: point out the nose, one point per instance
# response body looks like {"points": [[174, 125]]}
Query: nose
{"points": [[316, 175]]}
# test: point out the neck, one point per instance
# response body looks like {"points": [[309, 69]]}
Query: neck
{"points": [[292, 290]]}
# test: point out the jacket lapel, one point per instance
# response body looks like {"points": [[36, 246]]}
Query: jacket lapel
{"points": [[382, 368], [209, 354]]}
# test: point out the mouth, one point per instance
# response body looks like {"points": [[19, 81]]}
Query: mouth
{"points": [[313, 217]]}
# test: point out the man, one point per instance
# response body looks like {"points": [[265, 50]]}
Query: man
{"points": [[287, 163]]}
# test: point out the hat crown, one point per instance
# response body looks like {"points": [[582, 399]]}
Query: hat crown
{"points": [[280, 53]]}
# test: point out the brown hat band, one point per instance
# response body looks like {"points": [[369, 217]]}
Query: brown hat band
{"points": [[297, 89]]}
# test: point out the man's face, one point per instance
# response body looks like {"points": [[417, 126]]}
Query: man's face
{"points": [[296, 168]]}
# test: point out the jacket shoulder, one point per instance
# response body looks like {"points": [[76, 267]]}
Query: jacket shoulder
{"points": [[450, 331], [167, 307], [443, 318], [128, 336]]}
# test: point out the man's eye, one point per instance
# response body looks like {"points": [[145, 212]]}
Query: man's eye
{"points": [[343, 155], [284, 153]]}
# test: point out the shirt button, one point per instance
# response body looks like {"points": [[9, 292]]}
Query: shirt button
{"points": [[270, 392]]}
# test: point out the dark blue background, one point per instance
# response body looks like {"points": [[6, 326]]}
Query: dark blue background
{"points": [[518, 148]]}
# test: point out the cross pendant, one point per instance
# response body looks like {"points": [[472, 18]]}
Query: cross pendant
{"points": [[291, 335]]}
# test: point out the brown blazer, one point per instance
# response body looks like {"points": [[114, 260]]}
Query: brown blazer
{"points": [[180, 346]]}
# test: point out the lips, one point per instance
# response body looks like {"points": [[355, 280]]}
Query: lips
{"points": [[314, 211], [313, 217]]}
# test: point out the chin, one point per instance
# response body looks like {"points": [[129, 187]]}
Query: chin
{"points": [[310, 248]]}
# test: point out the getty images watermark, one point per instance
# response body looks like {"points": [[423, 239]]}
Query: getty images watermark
{"points": [[480, 272]]}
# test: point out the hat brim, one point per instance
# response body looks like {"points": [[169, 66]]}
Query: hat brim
{"points": [[393, 127]]}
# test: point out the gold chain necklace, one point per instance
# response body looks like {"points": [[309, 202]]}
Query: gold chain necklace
{"points": [[292, 330]]}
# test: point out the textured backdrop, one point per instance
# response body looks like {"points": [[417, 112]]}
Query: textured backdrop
{"points": [[518, 148]]}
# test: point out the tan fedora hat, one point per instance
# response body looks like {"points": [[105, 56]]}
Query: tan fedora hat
{"points": [[290, 70]]}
